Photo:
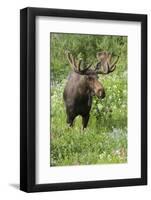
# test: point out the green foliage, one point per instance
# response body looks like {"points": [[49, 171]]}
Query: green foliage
{"points": [[85, 47], [105, 139]]}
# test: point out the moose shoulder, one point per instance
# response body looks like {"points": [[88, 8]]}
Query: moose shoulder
{"points": [[83, 84]]}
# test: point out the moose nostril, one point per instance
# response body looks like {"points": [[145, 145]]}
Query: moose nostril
{"points": [[102, 94]]}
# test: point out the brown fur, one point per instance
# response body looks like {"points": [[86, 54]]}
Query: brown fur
{"points": [[78, 94]]}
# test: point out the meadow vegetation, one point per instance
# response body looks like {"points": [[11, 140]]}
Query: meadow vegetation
{"points": [[105, 139]]}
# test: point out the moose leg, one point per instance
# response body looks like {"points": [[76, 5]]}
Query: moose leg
{"points": [[85, 120], [70, 119]]}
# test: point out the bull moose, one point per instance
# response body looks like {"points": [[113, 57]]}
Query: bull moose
{"points": [[83, 84]]}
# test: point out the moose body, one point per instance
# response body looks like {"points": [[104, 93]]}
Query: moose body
{"points": [[77, 98], [79, 90]]}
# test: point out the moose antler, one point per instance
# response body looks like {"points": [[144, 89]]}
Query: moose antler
{"points": [[104, 66], [76, 65], [105, 63]]}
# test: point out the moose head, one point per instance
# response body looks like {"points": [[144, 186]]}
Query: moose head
{"points": [[83, 83]]}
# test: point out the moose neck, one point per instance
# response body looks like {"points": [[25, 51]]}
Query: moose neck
{"points": [[82, 83]]}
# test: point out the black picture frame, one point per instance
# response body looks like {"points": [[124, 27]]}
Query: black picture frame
{"points": [[28, 99]]}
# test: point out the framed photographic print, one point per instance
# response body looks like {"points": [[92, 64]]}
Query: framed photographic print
{"points": [[83, 99]]}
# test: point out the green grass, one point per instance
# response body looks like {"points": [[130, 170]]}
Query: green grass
{"points": [[105, 139]]}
